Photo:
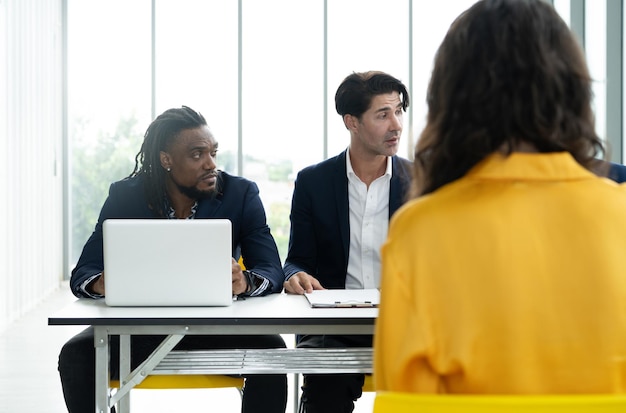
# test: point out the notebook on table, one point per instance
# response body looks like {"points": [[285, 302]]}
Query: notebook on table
{"points": [[167, 262], [356, 298]]}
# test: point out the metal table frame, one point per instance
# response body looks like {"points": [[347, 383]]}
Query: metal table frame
{"points": [[273, 314]]}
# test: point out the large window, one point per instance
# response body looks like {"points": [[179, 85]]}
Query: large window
{"points": [[108, 102], [595, 49], [281, 100], [196, 65], [430, 25]]}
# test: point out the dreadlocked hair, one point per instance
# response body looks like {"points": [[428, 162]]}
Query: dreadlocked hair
{"points": [[158, 137]]}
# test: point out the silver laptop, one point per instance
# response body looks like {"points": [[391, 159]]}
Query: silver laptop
{"points": [[167, 262]]}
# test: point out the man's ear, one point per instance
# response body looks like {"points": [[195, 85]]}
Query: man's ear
{"points": [[166, 160], [350, 122]]}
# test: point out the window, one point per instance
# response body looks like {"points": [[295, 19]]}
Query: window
{"points": [[430, 25], [595, 50], [282, 100], [108, 102], [196, 66]]}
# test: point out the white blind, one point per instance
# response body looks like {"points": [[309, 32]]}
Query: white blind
{"points": [[31, 224]]}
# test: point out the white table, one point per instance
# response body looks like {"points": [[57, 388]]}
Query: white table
{"points": [[273, 314]]}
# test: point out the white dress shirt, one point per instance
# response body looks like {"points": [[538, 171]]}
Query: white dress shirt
{"points": [[369, 222]]}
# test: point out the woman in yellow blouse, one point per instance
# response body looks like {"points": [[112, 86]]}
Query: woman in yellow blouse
{"points": [[506, 274]]}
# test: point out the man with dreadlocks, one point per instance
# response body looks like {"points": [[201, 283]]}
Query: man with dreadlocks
{"points": [[175, 177]]}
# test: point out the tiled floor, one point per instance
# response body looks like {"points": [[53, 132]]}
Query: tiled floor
{"points": [[29, 381]]}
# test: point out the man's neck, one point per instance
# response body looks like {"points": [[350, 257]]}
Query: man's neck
{"points": [[179, 202], [368, 168]]}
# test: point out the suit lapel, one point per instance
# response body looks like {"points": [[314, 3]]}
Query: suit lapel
{"points": [[398, 186], [207, 208], [340, 182]]}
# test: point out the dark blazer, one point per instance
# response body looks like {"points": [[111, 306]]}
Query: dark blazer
{"points": [[617, 172], [320, 224], [238, 201]]}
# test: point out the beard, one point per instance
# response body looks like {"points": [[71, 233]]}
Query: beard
{"points": [[195, 193]]}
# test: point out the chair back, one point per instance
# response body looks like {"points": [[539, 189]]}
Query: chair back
{"points": [[393, 402]]}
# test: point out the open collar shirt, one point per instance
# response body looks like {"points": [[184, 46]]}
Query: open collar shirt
{"points": [[369, 221]]}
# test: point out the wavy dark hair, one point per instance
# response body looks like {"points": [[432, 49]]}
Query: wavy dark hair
{"points": [[355, 93], [507, 72], [159, 135]]}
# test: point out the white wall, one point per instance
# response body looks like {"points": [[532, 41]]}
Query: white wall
{"points": [[31, 229]]}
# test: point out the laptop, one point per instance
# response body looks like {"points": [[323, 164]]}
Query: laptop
{"points": [[167, 262]]}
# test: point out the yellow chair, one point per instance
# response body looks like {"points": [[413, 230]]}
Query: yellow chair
{"points": [[195, 381], [393, 402]]}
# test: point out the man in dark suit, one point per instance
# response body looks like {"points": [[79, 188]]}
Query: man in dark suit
{"points": [[175, 177], [339, 217]]}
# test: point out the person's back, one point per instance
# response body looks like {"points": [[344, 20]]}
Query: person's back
{"points": [[505, 274], [527, 293]]}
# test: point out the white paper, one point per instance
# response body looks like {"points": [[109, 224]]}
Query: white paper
{"points": [[344, 298]]}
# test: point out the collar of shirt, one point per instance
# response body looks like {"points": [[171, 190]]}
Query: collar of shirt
{"points": [[171, 214], [350, 171]]}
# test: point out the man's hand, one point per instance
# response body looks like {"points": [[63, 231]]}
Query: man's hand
{"points": [[240, 284], [97, 285], [301, 282]]}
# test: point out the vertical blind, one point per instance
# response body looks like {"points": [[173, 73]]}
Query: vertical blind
{"points": [[31, 107]]}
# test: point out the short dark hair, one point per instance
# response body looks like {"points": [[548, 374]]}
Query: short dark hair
{"points": [[508, 71], [158, 137], [355, 93]]}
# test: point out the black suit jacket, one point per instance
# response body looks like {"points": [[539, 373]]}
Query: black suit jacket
{"points": [[238, 200], [320, 227], [617, 172]]}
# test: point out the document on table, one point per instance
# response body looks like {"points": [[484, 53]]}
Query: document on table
{"points": [[344, 298]]}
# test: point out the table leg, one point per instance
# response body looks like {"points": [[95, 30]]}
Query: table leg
{"points": [[124, 403], [296, 392], [101, 344], [128, 379]]}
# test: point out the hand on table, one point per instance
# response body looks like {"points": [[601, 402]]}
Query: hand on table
{"points": [[301, 282]]}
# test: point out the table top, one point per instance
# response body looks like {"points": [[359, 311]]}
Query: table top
{"points": [[283, 309]]}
